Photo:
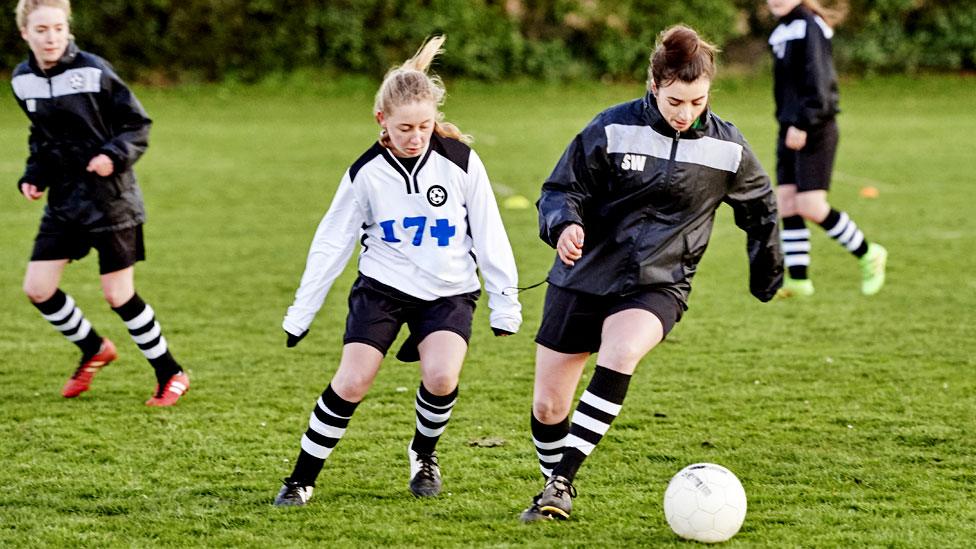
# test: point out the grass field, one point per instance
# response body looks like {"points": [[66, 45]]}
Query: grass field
{"points": [[845, 417]]}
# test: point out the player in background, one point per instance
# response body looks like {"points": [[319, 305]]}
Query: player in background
{"points": [[420, 203], [642, 183], [87, 130], [805, 88]]}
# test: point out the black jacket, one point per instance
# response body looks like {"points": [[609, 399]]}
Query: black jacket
{"points": [[804, 79], [79, 109], [646, 197]]}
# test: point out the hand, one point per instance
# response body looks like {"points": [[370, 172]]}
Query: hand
{"points": [[570, 244], [102, 165], [501, 333], [796, 138], [30, 191], [294, 339]]}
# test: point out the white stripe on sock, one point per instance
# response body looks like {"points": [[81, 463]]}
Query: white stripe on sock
{"points": [[326, 409], [157, 350], [431, 416], [840, 226], [855, 242], [69, 305], [141, 319], [795, 234], [422, 429], [549, 445], [72, 322], [792, 260], [82, 332], [573, 441], [324, 429], [148, 336], [589, 423], [789, 247], [553, 459], [316, 450], [601, 404], [848, 233], [441, 407]]}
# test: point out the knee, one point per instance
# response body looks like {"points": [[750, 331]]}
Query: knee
{"points": [[351, 388], [37, 293], [549, 411], [440, 383], [622, 355], [116, 297]]}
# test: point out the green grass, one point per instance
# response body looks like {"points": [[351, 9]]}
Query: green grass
{"points": [[845, 417]]}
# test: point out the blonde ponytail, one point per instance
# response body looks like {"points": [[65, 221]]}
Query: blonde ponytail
{"points": [[410, 82]]}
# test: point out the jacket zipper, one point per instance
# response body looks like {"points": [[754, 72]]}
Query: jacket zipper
{"points": [[674, 154]]}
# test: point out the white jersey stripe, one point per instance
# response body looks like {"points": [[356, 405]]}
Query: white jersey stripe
{"points": [[705, 151]]}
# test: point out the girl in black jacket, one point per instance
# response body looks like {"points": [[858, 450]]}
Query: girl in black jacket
{"points": [[87, 130], [805, 88], [642, 183]]}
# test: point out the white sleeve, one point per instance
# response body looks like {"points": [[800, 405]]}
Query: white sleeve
{"points": [[331, 247], [492, 248]]}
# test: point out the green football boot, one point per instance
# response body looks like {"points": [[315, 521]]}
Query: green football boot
{"points": [[795, 287], [873, 269]]}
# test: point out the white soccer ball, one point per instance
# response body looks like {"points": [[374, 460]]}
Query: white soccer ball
{"points": [[705, 502]]}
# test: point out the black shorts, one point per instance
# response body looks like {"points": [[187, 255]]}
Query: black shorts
{"points": [[811, 167], [116, 249], [377, 311], [572, 322]]}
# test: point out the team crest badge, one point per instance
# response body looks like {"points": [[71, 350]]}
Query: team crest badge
{"points": [[436, 195]]}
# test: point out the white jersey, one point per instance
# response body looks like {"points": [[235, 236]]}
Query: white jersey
{"points": [[424, 232]]}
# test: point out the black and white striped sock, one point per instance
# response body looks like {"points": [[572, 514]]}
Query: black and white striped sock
{"points": [[796, 246], [598, 406], [549, 442], [842, 228], [140, 319], [60, 310], [326, 425], [433, 413]]}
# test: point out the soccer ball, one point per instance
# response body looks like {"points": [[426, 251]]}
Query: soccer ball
{"points": [[705, 502]]}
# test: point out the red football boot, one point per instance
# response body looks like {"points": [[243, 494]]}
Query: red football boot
{"points": [[81, 380], [171, 392]]}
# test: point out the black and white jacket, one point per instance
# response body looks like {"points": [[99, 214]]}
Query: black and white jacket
{"points": [[646, 197], [804, 79], [79, 109], [425, 232]]}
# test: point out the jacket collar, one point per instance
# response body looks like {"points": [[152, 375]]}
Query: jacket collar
{"points": [[70, 54], [656, 120]]}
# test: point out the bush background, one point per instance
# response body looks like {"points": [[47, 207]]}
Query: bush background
{"points": [[187, 40]]}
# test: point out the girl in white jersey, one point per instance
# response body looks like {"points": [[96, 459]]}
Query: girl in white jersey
{"points": [[420, 203]]}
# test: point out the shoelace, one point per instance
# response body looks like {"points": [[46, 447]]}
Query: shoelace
{"points": [[427, 464], [563, 486]]}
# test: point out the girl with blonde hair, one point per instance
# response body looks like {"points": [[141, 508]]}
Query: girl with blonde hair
{"points": [[420, 203]]}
